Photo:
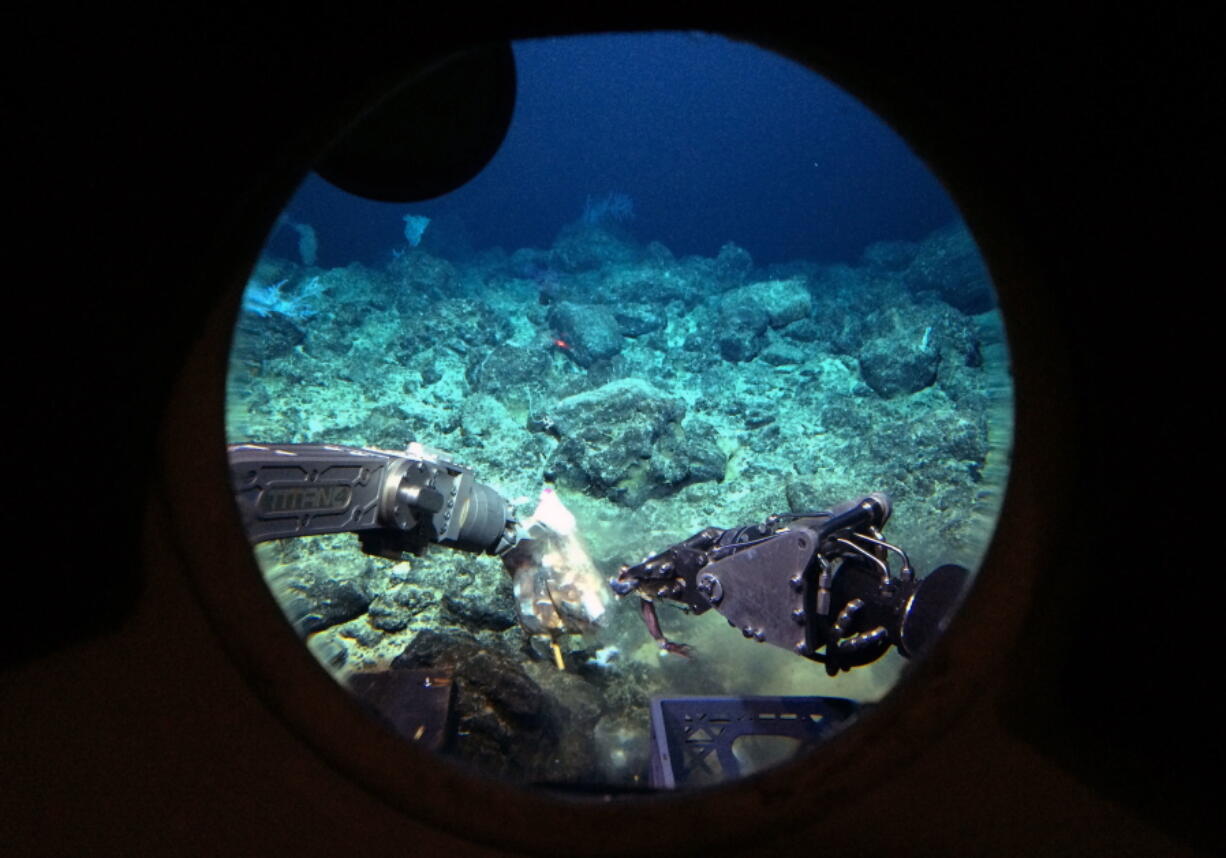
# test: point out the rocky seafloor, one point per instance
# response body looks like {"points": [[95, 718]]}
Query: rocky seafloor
{"points": [[658, 395]]}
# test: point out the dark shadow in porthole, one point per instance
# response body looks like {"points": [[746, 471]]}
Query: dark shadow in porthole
{"points": [[514, 459]]}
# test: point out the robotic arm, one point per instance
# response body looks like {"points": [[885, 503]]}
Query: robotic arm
{"points": [[396, 502], [818, 584]]}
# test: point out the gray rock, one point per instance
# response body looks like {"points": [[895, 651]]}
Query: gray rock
{"points": [[690, 456], [843, 419], [485, 420], [488, 673], [411, 597], [578, 705], [590, 331], [784, 353], [769, 302], [508, 368], [949, 262], [485, 601], [634, 320], [632, 404], [903, 353], [949, 436], [312, 603], [787, 301], [894, 369], [430, 375], [738, 346], [732, 265], [625, 442], [803, 331], [803, 497], [584, 247], [504, 719], [361, 632], [756, 414], [387, 615], [743, 311]]}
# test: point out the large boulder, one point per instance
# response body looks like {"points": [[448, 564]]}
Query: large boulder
{"points": [[503, 718], [892, 368], [732, 265], [949, 262], [746, 312], [690, 454], [634, 320], [778, 302], [315, 601], [904, 352], [591, 331], [625, 441], [742, 320], [508, 370], [586, 247]]}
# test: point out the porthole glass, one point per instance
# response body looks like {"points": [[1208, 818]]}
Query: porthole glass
{"points": [[649, 457]]}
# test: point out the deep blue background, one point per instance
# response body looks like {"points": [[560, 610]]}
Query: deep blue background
{"points": [[715, 141]]}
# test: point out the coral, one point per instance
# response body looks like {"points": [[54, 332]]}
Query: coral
{"points": [[264, 300], [610, 207]]}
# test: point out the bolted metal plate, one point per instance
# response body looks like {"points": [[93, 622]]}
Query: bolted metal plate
{"points": [[759, 597]]}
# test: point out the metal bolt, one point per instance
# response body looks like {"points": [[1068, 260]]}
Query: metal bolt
{"points": [[797, 582], [801, 648], [759, 636], [799, 616], [747, 632]]}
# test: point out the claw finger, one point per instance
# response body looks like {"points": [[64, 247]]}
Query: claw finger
{"points": [[683, 650]]}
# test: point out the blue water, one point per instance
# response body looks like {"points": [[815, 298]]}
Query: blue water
{"points": [[714, 140]]}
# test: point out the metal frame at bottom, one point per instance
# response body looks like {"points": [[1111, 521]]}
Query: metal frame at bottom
{"points": [[690, 734]]}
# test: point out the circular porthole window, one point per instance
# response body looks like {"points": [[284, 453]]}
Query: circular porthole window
{"points": [[651, 456]]}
